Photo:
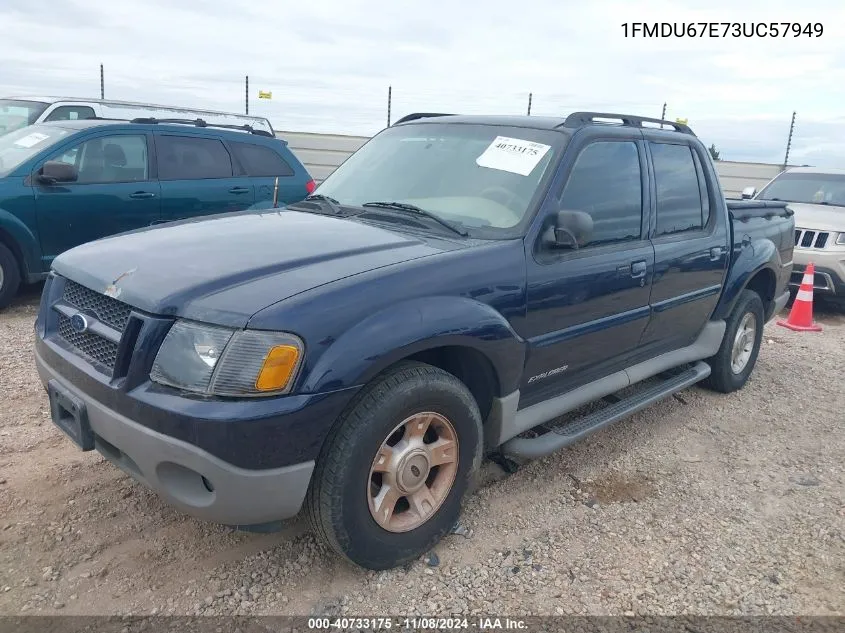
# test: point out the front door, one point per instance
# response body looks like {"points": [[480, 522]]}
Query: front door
{"points": [[197, 177], [587, 308], [114, 192]]}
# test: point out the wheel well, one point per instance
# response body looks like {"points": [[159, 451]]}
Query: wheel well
{"points": [[763, 283], [469, 366], [9, 242]]}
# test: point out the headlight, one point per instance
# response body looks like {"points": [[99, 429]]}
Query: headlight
{"points": [[223, 362], [841, 238]]}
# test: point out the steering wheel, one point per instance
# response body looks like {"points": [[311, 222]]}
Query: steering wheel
{"points": [[501, 195]]}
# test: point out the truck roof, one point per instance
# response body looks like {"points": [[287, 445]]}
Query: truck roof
{"points": [[136, 104], [572, 121], [828, 171]]}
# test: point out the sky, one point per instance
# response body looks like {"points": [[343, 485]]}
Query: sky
{"points": [[328, 63]]}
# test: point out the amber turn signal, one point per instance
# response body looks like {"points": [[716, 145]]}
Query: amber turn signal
{"points": [[278, 367]]}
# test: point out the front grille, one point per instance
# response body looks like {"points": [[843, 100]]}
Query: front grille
{"points": [[94, 347], [110, 311], [811, 239]]}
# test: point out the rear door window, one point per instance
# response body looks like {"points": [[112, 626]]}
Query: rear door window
{"points": [[680, 204], [260, 161], [192, 158]]}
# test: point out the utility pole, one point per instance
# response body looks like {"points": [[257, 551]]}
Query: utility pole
{"points": [[663, 116], [530, 98], [102, 83], [789, 141], [389, 100], [247, 94]]}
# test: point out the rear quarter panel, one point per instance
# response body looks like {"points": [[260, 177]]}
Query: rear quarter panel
{"points": [[761, 240]]}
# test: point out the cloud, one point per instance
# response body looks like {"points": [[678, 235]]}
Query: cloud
{"points": [[329, 64]]}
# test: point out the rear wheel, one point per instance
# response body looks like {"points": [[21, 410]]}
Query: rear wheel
{"points": [[735, 360], [10, 276], [390, 480]]}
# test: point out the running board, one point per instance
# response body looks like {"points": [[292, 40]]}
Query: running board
{"points": [[571, 432]]}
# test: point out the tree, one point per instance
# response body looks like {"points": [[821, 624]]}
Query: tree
{"points": [[714, 153]]}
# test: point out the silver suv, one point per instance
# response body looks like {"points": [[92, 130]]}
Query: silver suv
{"points": [[817, 196]]}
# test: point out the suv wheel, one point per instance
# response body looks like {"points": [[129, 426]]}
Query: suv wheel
{"points": [[391, 477], [10, 276], [735, 360]]}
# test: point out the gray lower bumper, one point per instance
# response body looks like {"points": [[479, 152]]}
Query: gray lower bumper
{"points": [[780, 303], [189, 478]]}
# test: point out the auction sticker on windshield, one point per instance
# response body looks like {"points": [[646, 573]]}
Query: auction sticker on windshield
{"points": [[30, 140], [512, 154]]}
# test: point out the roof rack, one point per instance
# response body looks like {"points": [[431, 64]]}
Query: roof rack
{"points": [[580, 119], [196, 122], [203, 123], [419, 115]]}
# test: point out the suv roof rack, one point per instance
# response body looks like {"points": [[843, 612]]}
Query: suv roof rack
{"points": [[580, 119], [195, 122], [420, 115], [203, 123]]}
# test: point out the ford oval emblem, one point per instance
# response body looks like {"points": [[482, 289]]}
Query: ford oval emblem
{"points": [[79, 323]]}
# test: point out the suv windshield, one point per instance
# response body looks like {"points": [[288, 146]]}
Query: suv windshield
{"points": [[21, 145], [15, 114], [807, 188], [480, 177]]}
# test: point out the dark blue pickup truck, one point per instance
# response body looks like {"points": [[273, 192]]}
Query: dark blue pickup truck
{"points": [[450, 292]]}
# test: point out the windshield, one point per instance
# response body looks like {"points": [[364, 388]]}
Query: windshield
{"points": [[807, 188], [19, 146], [480, 177], [15, 114]]}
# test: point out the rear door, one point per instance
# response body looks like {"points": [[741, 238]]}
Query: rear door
{"points": [[116, 191], [198, 178], [690, 242], [587, 308], [263, 164]]}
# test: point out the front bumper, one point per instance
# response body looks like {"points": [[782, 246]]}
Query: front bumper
{"points": [[193, 480], [829, 271]]}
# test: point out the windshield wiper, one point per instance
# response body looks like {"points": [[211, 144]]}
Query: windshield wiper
{"points": [[412, 208]]}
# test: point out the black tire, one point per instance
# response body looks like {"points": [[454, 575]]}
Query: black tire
{"points": [[337, 501], [722, 377], [10, 276]]}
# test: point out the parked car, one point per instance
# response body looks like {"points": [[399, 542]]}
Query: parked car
{"points": [[817, 195], [450, 291], [63, 184], [18, 112]]}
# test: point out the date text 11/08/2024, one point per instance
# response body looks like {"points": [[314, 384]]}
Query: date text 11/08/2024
{"points": [[420, 623], [722, 29]]}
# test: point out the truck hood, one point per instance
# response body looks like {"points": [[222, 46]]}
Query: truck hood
{"points": [[818, 217], [224, 269]]}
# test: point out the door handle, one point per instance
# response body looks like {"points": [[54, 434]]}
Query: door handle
{"points": [[716, 253], [638, 269], [239, 190], [142, 195]]}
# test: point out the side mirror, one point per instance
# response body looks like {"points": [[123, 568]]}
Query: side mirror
{"points": [[749, 192], [54, 171], [572, 229]]}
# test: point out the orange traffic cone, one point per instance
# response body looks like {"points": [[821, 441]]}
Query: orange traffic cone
{"points": [[801, 316]]}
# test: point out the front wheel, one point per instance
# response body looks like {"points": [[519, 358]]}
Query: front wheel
{"points": [[735, 360], [390, 480]]}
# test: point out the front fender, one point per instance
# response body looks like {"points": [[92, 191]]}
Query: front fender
{"points": [[24, 239], [754, 256], [396, 332]]}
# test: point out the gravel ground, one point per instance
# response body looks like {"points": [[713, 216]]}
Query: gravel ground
{"points": [[702, 504]]}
